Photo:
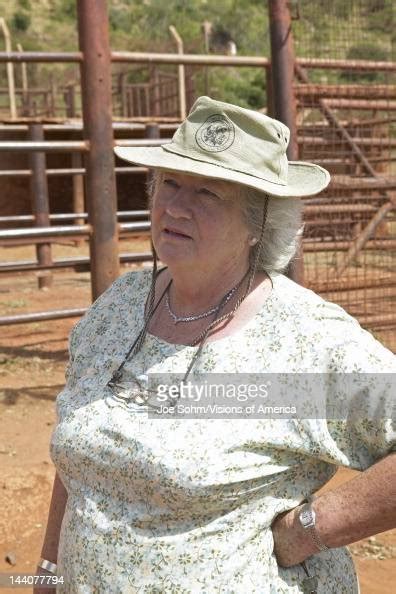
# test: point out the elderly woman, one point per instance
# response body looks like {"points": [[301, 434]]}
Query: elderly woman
{"points": [[144, 503]]}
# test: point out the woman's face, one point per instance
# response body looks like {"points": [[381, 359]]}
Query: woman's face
{"points": [[198, 222]]}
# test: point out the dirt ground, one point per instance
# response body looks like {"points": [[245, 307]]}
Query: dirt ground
{"points": [[32, 361]]}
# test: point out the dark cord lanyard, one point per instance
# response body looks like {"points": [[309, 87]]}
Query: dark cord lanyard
{"points": [[117, 374]]}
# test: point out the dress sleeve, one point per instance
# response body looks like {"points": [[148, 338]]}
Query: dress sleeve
{"points": [[363, 429], [71, 350]]}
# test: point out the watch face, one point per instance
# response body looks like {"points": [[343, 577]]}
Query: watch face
{"points": [[307, 518]]}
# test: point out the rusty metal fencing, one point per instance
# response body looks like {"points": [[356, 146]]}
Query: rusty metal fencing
{"points": [[346, 116], [158, 95]]}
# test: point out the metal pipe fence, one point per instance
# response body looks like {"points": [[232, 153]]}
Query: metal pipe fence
{"points": [[159, 96], [346, 122]]}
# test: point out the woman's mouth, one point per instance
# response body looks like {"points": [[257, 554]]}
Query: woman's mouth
{"points": [[176, 234]]}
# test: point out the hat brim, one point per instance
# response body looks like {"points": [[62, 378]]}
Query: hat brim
{"points": [[304, 179]]}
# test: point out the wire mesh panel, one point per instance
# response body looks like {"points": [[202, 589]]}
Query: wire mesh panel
{"points": [[347, 124]]}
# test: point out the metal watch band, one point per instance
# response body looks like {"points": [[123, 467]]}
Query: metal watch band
{"points": [[314, 535], [48, 565], [307, 521]]}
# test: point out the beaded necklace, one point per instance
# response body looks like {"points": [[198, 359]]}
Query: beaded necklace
{"points": [[204, 314]]}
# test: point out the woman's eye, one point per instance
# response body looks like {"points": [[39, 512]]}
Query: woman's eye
{"points": [[207, 192], [171, 182]]}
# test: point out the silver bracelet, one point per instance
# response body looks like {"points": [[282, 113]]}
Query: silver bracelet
{"points": [[48, 565]]}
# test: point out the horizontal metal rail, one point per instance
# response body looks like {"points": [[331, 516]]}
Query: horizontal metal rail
{"points": [[338, 208], [363, 91], [192, 59], [318, 140], [364, 183], [82, 263], [332, 223], [67, 57], [334, 161], [343, 246], [134, 227], [51, 146], [121, 214], [45, 232], [142, 142], [65, 231], [41, 316], [341, 199], [353, 284], [197, 59], [335, 201], [77, 126], [347, 123], [324, 63], [369, 104], [378, 320], [70, 171]]}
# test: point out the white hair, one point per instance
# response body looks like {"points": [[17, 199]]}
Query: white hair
{"points": [[282, 225], [281, 231]]}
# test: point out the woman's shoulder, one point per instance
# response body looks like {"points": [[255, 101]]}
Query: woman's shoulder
{"points": [[307, 304], [330, 328], [133, 279], [121, 298], [125, 289]]}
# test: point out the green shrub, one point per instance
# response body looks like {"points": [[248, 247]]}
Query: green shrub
{"points": [[66, 8], [380, 16], [20, 21], [244, 87]]}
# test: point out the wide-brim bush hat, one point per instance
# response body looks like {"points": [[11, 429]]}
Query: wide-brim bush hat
{"points": [[223, 141]]}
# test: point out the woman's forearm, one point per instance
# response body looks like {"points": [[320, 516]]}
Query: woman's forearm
{"points": [[55, 516], [359, 508]]}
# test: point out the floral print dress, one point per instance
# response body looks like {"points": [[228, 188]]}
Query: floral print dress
{"points": [[185, 505]]}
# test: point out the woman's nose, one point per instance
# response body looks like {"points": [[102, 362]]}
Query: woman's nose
{"points": [[179, 205]]}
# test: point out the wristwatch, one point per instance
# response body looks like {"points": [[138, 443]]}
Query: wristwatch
{"points": [[307, 519]]}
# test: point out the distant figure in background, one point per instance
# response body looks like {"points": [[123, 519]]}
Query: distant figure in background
{"points": [[217, 505]]}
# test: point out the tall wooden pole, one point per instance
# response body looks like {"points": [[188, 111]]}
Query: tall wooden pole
{"points": [[282, 70], [181, 74], [97, 117], [283, 99], [10, 68], [40, 202]]}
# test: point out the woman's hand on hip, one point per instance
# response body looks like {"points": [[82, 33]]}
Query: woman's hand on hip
{"points": [[292, 544]]}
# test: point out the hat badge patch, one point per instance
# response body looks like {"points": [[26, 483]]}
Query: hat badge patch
{"points": [[216, 134]]}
